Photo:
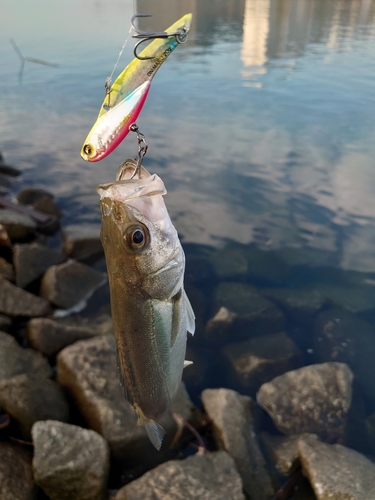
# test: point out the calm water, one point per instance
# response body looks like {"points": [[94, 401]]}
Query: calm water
{"points": [[262, 126]]}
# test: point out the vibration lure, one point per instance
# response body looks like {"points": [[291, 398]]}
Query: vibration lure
{"points": [[125, 98]]}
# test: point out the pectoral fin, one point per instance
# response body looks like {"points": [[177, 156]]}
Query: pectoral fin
{"points": [[187, 363], [190, 316]]}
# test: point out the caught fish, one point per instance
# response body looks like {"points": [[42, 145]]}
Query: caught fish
{"points": [[150, 309], [126, 97]]}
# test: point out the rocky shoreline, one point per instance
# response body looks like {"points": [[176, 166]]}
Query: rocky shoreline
{"points": [[281, 391]]}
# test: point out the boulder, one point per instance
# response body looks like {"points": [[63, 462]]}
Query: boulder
{"points": [[49, 336], [69, 462], [30, 195], [31, 260], [232, 418], [254, 314], [15, 301], [336, 472], [88, 370], [211, 476], [217, 328], [6, 270], [30, 397], [15, 360], [65, 285], [18, 226], [5, 322], [314, 399], [302, 304], [82, 241], [340, 335], [16, 478], [259, 360]]}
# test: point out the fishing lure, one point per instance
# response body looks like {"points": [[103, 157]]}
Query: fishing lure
{"points": [[125, 98]]}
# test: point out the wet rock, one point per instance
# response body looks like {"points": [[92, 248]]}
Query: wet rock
{"points": [[217, 328], [65, 285], [354, 299], [18, 226], [47, 205], [28, 398], [212, 476], [6, 270], [4, 238], [259, 360], [314, 399], [229, 262], [5, 322], [232, 417], [336, 472], [82, 241], [342, 336], [31, 260], [30, 195], [301, 304], [15, 301], [15, 360], [254, 313], [69, 462], [16, 478], [88, 369], [284, 450], [49, 336]]}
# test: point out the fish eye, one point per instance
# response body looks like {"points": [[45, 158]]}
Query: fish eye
{"points": [[88, 149], [137, 237]]}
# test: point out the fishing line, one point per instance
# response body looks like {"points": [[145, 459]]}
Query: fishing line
{"points": [[108, 80]]}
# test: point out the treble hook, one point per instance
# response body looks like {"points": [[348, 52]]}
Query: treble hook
{"points": [[142, 148], [144, 36]]}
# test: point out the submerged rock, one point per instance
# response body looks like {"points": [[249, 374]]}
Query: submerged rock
{"points": [[217, 328], [82, 241], [229, 262], [14, 360], [336, 472], [342, 336], [65, 285], [49, 336], [6, 270], [15, 301], [88, 369], [31, 260], [5, 322], [254, 314], [18, 226], [211, 476], [16, 478], [354, 299], [28, 398], [259, 360], [232, 418], [69, 462], [265, 267], [314, 399]]}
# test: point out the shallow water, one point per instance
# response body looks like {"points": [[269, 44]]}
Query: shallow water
{"points": [[262, 127]]}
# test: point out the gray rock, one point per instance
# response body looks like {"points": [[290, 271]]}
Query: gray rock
{"points": [[49, 337], [259, 360], [15, 360], [5, 322], [354, 299], [65, 285], [229, 262], [232, 417], [6, 270], [284, 450], [336, 472], [314, 399], [212, 476], [302, 304], [70, 462], [30, 195], [18, 226], [254, 314], [217, 328], [16, 478], [31, 260], [88, 369], [82, 241], [342, 336], [4, 238], [30, 397], [15, 301]]}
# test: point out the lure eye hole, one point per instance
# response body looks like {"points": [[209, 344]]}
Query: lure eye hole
{"points": [[137, 238], [88, 149]]}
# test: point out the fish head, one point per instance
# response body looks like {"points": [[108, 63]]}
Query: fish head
{"points": [[140, 242]]}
